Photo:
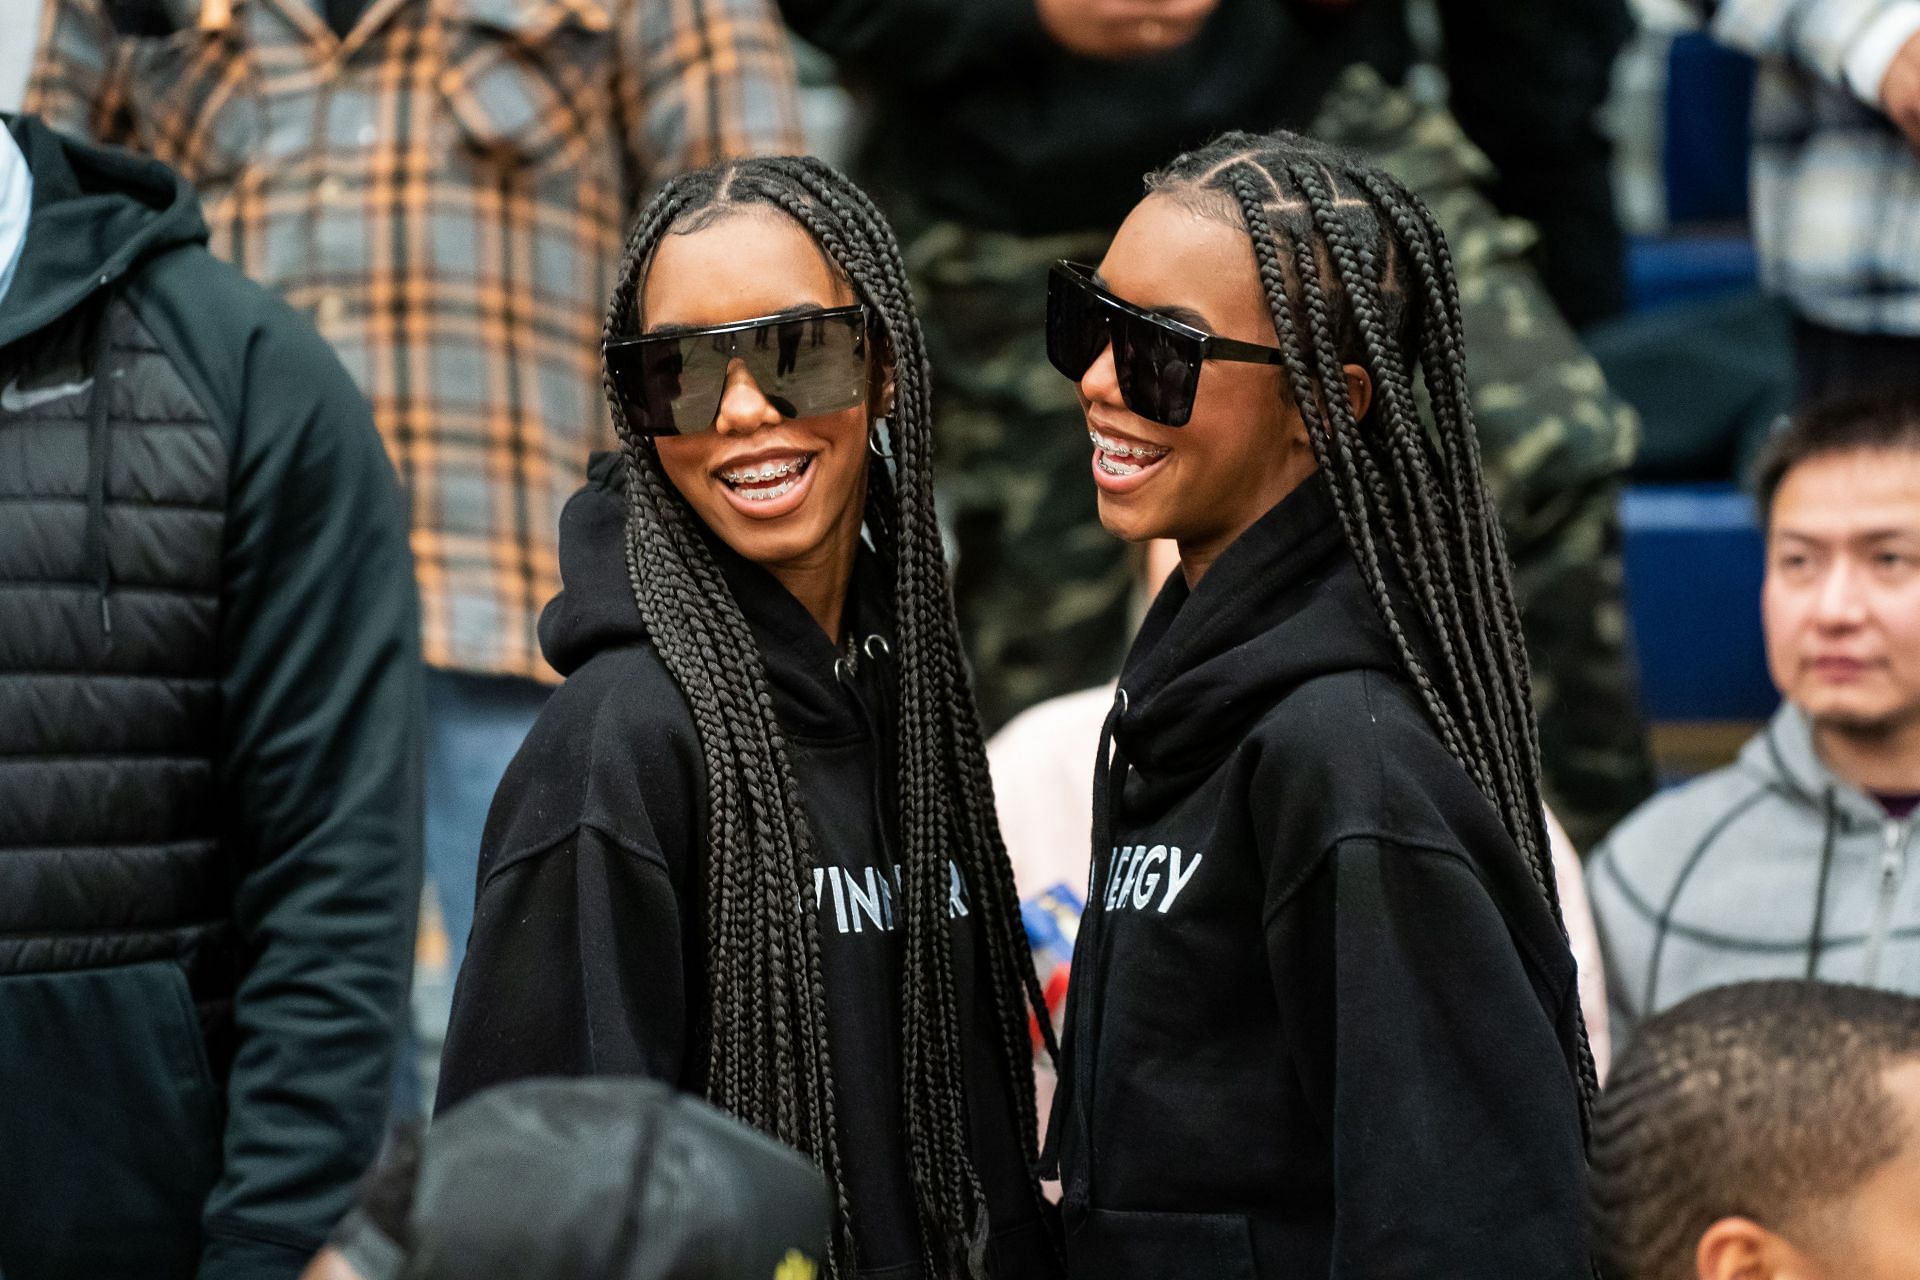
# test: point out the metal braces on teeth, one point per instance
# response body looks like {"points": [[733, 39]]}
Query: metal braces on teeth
{"points": [[1114, 450], [764, 472]]}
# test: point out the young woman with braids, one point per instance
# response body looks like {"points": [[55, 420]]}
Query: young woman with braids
{"points": [[1323, 1018], [749, 846]]}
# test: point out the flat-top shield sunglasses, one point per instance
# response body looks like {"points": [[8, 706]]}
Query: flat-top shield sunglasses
{"points": [[1157, 360], [670, 383]]}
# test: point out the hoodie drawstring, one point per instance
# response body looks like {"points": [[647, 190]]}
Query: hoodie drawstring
{"points": [[99, 448], [1816, 940]]}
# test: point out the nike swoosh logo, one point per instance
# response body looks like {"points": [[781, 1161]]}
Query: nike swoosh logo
{"points": [[15, 400]]}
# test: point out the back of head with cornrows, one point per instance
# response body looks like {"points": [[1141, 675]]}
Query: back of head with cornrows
{"points": [[1356, 270], [765, 1054]]}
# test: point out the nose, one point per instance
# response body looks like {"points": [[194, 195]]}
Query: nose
{"points": [[1840, 603], [1101, 382], [744, 408]]}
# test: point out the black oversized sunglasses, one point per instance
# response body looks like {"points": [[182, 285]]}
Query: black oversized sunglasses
{"points": [[1157, 360], [807, 364]]}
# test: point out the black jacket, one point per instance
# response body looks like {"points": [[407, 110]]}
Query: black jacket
{"points": [[209, 790], [587, 955], [1321, 1021], [979, 117]]}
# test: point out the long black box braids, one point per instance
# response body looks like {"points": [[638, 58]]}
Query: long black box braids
{"points": [[1357, 270], [765, 1056]]}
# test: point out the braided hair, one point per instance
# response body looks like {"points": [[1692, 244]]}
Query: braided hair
{"points": [[1355, 269], [765, 1055]]}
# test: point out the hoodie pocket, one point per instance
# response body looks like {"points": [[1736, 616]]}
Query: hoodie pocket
{"points": [[110, 1125], [1108, 1244], [527, 83]]}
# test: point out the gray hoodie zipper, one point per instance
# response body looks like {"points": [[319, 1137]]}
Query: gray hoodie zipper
{"points": [[1893, 869]]}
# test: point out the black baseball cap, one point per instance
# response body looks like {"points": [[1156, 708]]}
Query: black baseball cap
{"points": [[601, 1179]]}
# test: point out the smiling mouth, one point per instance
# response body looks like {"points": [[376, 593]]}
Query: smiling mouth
{"points": [[1120, 458], [765, 481]]}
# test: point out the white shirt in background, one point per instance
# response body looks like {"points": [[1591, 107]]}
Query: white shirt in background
{"points": [[16, 202], [19, 33]]}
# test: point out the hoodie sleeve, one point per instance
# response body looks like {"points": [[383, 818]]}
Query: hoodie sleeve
{"points": [[573, 968], [1453, 1118], [576, 964], [320, 774]]}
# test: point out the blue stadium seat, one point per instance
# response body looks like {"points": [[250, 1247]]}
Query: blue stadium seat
{"points": [[1693, 567]]}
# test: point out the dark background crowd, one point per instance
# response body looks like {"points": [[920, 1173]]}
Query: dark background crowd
{"points": [[1675, 225]]}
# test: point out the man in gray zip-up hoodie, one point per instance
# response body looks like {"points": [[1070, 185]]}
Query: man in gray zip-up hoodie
{"points": [[1795, 861]]}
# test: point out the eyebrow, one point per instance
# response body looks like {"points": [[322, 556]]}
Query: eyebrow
{"points": [[1184, 315], [794, 312], [1864, 536]]}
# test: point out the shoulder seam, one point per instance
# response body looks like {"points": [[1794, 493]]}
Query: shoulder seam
{"points": [[530, 852]]}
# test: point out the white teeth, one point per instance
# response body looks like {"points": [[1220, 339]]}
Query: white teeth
{"points": [[771, 492], [1114, 467], [1115, 451]]}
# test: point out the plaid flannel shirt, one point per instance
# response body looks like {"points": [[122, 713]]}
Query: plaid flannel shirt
{"points": [[1836, 187], [445, 192]]}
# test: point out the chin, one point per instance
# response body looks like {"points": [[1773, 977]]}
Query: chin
{"points": [[765, 545], [1128, 522], [1852, 714]]}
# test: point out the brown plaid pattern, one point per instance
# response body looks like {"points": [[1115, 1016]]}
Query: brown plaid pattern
{"points": [[445, 193]]}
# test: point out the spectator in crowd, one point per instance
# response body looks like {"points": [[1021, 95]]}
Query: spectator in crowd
{"points": [[748, 846], [1763, 1131], [209, 740], [1835, 175], [1007, 134], [444, 188], [1323, 1016], [621, 1179], [1043, 762], [1794, 861]]}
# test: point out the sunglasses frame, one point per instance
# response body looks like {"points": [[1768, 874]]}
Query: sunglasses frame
{"points": [[1211, 346], [639, 342]]}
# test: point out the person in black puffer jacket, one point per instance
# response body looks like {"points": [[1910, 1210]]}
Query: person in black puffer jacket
{"points": [[749, 847], [209, 799]]}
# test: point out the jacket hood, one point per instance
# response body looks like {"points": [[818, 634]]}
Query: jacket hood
{"points": [[1282, 605], [595, 611], [1784, 759], [97, 212]]}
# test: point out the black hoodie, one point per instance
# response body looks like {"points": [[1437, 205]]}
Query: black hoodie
{"points": [[1321, 1022], [587, 956]]}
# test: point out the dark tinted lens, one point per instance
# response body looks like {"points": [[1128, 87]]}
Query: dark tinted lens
{"points": [[1158, 370], [808, 366], [1076, 325], [671, 385], [668, 385]]}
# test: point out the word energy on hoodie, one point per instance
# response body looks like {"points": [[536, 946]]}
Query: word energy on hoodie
{"points": [[588, 954], [1322, 1020]]}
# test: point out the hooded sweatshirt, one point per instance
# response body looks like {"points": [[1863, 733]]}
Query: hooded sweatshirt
{"points": [[209, 785], [1769, 868], [1321, 1021], [587, 955]]}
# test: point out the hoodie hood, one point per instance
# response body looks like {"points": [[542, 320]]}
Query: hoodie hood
{"points": [[97, 212], [1281, 606], [595, 611]]}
